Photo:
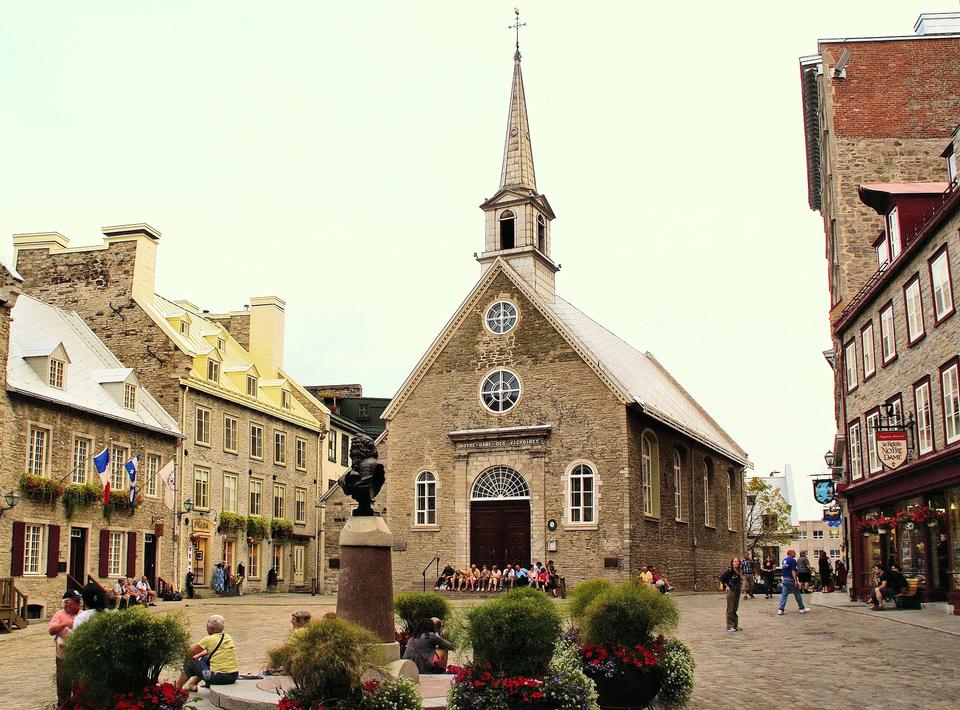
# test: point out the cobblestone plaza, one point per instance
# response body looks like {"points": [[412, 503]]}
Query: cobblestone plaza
{"points": [[897, 659]]}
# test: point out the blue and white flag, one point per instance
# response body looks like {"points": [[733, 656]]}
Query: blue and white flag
{"points": [[131, 467]]}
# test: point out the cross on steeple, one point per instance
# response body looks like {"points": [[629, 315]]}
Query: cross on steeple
{"points": [[516, 26]]}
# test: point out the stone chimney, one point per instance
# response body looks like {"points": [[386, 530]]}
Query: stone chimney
{"points": [[145, 261], [266, 334]]}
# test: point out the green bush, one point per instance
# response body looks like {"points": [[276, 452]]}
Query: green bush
{"points": [[256, 527], [414, 607], [676, 675], [281, 529], [231, 523], [79, 494], [396, 693], [628, 614], [515, 633], [325, 659], [123, 652], [584, 593], [39, 488]]}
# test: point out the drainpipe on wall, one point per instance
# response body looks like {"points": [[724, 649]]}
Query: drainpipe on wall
{"points": [[180, 464]]}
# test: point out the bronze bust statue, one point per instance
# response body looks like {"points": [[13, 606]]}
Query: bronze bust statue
{"points": [[366, 475]]}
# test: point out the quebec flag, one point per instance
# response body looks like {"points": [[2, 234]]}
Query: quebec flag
{"points": [[131, 467]]}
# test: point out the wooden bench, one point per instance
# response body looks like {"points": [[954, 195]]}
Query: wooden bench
{"points": [[909, 598]]}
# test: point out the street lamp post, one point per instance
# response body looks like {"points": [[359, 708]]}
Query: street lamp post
{"points": [[11, 499]]}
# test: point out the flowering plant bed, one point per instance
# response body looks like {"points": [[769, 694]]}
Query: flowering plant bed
{"points": [[162, 696], [619, 660], [393, 694], [558, 689], [119, 501], [869, 526], [76, 495], [41, 489], [231, 523]]}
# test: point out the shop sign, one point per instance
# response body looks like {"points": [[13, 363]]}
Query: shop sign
{"points": [[824, 490], [832, 516], [892, 447], [202, 525]]}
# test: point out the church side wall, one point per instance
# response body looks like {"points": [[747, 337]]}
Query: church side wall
{"points": [[559, 389]]}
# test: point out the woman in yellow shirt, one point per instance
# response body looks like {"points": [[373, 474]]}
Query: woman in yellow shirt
{"points": [[213, 658]]}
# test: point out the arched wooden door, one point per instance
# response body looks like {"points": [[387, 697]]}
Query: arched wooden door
{"points": [[500, 518]]}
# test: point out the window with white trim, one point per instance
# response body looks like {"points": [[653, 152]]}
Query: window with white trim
{"points": [[731, 488], [850, 361], [707, 505], [866, 347], [57, 369], [882, 249], [231, 428], [678, 487], [888, 344], [115, 553], [251, 386], [201, 488], [896, 410], [650, 473], [279, 500], [119, 456], [834, 533], [301, 454], [38, 452], [253, 561], [32, 548], [202, 431], [951, 403], [873, 460], [230, 483], [213, 370], [914, 308], [279, 447], [818, 534], [924, 409], [221, 344], [285, 399], [583, 486], [331, 446], [152, 470], [129, 396], [256, 496], [278, 560], [856, 449], [501, 317], [184, 328], [426, 495], [500, 483], [893, 233], [300, 506], [81, 459], [256, 441], [500, 391], [941, 286]]}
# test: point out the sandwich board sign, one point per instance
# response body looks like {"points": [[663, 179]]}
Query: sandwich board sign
{"points": [[892, 447]]}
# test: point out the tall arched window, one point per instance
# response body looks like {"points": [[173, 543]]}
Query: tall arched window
{"points": [[541, 233], [583, 488], [650, 473], [500, 482], [507, 230], [707, 505], [678, 487], [731, 508], [426, 498]]}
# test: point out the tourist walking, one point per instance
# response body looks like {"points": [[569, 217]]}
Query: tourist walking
{"points": [[732, 581], [766, 572], [825, 573], [60, 625], [804, 572], [747, 569], [788, 583]]}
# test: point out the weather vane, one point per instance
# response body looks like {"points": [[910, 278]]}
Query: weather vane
{"points": [[516, 26]]}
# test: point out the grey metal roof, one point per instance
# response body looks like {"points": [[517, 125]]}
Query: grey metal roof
{"points": [[646, 381], [91, 364]]}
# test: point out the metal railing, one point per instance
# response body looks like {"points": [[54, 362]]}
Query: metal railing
{"points": [[424, 573]]}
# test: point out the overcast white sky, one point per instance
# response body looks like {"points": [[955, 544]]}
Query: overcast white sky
{"points": [[334, 154]]}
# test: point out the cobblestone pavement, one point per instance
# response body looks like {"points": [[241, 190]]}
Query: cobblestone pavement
{"points": [[832, 657]]}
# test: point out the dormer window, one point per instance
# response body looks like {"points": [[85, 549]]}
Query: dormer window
{"points": [[221, 344], [893, 233], [541, 233], [129, 396], [251, 385], [184, 328], [213, 370], [285, 399], [883, 249], [507, 232], [951, 164], [57, 371]]}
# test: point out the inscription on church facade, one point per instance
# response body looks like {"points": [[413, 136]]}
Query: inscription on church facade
{"points": [[497, 443]]}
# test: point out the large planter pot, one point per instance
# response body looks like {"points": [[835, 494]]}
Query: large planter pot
{"points": [[634, 690]]}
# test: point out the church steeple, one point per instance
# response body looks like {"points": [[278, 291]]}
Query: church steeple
{"points": [[517, 170], [518, 217]]}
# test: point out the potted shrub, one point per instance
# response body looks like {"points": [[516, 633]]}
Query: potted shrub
{"points": [[231, 523], [76, 495], [414, 607], [117, 658], [619, 647], [281, 529], [256, 527], [38, 488]]}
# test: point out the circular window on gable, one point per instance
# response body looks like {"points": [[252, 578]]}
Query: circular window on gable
{"points": [[500, 391], [501, 317]]}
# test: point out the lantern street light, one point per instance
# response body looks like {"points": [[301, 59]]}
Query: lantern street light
{"points": [[11, 499]]}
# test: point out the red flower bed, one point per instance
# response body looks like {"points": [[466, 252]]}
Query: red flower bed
{"points": [[163, 696]]}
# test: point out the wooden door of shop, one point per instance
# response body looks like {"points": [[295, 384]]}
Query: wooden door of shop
{"points": [[78, 554], [500, 532], [150, 559]]}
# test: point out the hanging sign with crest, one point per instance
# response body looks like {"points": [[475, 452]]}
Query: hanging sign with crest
{"points": [[892, 447]]}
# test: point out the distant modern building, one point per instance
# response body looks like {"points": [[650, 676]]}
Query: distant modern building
{"points": [[348, 401]]}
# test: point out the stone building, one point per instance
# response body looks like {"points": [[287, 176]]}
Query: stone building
{"points": [[250, 463], [899, 372], [529, 432], [65, 399]]}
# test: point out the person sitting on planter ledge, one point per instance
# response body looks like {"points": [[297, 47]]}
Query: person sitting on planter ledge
{"points": [[891, 583], [213, 658], [427, 649]]}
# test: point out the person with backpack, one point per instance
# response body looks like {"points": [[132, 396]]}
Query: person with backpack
{"points": [[213, 658]]}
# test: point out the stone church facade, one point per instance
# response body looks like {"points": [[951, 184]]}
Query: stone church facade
{"points": [[528, 432]]}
